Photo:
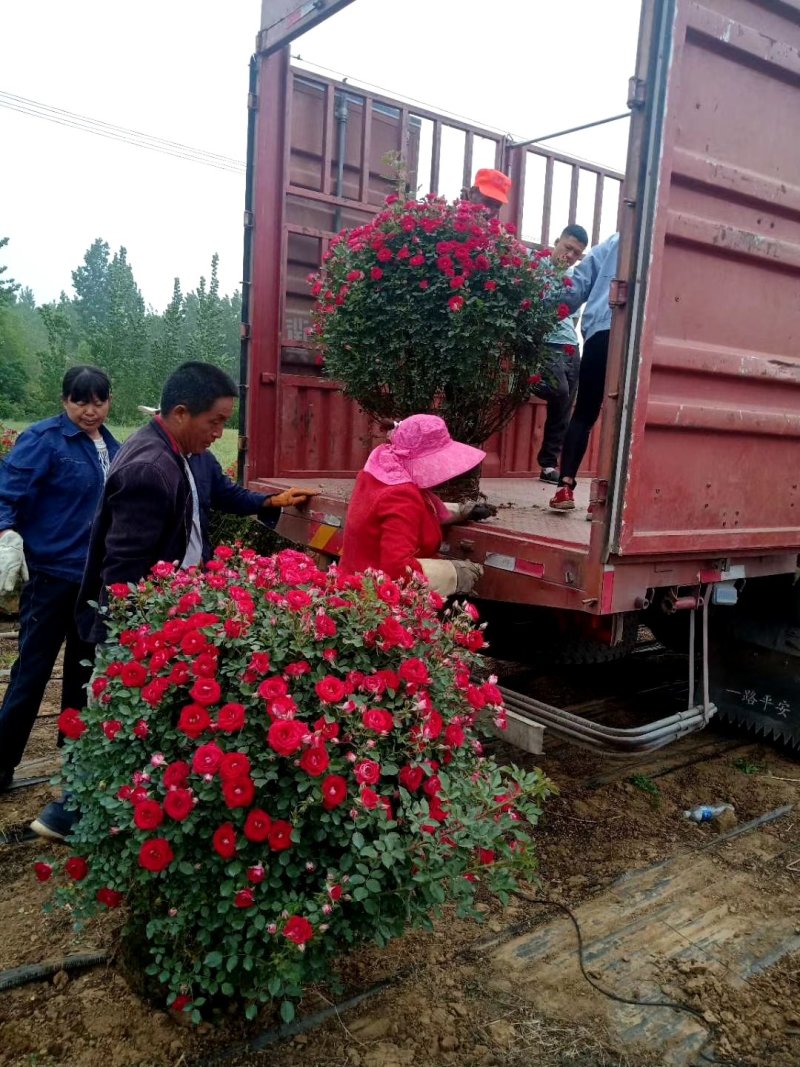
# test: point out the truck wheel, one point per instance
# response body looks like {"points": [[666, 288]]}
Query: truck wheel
{"points": [[584, 650]]}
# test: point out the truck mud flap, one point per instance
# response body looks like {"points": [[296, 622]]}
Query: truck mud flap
{"points": [[758, 689]]}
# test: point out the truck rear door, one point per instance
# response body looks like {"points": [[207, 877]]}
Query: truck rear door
{"points": [[702, 445]]}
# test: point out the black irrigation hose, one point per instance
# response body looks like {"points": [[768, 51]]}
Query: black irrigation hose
{"points": [[26, 783], [546, 902], [17, 837], [35, 972]]}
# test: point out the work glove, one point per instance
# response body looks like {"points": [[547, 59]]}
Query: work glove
{"points": [[450, 577], [467, 575], [467, 511], [475, 510], [12, 561], [292, 498]]}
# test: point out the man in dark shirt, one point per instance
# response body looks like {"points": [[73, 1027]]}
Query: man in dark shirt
{"points": [[156, 505]]}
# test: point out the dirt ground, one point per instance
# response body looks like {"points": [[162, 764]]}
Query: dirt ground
{"points": [[464, 994]]}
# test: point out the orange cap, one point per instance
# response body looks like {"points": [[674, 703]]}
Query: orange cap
{"points": [[493, 183]]}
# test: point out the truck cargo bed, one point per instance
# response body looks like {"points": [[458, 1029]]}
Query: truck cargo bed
{"points": [[522, 505]]}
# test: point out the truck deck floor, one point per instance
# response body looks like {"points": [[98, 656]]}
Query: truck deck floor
{"points": [[522, 505]]}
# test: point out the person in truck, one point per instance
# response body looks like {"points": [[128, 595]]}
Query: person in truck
{"points": [[395, 520], [562, 384], [490, 191], [591, 285], [156, 505]]}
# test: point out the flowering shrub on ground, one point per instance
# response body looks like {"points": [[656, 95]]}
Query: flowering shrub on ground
{"points": [[436, 307], [7, 440], [279, 763]]}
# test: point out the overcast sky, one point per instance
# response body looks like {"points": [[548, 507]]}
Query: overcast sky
{"points": [[178, 70]]}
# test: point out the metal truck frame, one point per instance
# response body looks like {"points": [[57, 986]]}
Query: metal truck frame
{"points": [[694, 486]]}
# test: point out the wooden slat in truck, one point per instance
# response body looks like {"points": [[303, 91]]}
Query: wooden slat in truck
{"points": [[694, 470]]}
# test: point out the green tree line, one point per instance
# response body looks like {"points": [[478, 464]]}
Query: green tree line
{"points": [[107, 323]]}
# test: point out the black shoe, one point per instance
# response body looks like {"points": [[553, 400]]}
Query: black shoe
{"points": [[54, 822], [549, 474], [6, 778]]}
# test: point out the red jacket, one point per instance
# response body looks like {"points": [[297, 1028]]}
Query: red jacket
{"points": [[389, 527]]}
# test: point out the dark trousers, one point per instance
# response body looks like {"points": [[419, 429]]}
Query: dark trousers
{"points": [[559, 392], [46, 620], [591, 388]]}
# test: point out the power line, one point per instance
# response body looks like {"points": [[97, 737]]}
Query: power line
{"points": [[135, 138]]}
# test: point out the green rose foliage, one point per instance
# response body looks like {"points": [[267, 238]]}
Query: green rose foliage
{"points": [[438, 308], [278, 764]]}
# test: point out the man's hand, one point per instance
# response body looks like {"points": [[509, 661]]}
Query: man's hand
{"points": [[12, 561], [292, 498]]}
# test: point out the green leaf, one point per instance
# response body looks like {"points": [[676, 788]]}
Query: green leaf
{"points": [[287, 1011], [213, 959], [358, 840]]}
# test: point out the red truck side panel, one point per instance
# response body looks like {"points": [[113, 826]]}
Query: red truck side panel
{"points": [[712, 463]]}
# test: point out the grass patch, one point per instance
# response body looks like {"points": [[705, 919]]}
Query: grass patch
{"points": [[646, 784], [746, 766]]}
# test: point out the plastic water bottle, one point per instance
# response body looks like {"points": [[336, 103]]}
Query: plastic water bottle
{"points": [[707, 812]]}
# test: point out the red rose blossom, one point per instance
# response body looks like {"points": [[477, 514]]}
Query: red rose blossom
{"points": [[234, 765], [245, 898], [207, 759], [285, 736], [111, 728], [410, 778], [71, 724], [110, 897], [155, 854], [334, 791], [378, 720], [298, 929], [454, 735], [206, 691], [42, 871], [133, 675], [331, 690], [194, 720], [367, 772], [256, 874], [147, 815], [315, 760], [280, 835], [176, 774], [224, 841], [257, 825], [230, 718], [238, 792], [273, 688], [76, 868], [178, 804]]}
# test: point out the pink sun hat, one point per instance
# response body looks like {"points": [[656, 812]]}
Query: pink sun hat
{"points": [[421, 450]]}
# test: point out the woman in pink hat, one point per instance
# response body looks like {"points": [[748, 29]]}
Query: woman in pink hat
{"points": [[394, 521]]}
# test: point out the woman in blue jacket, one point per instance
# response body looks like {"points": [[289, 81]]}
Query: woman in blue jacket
{"points": [[50, 485]]}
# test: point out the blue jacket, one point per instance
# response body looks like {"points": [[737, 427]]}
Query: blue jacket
{"points": [[145, 515], [591, 284], [50, 484]]}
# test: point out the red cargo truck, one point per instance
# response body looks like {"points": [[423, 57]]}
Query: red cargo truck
{"points": [[694, 471]]}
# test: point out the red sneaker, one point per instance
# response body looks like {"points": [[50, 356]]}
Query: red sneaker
{"points": [[564, 499]]}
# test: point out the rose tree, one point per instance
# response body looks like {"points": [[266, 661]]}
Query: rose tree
{"points": [[436, 308], [279, 763]]}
